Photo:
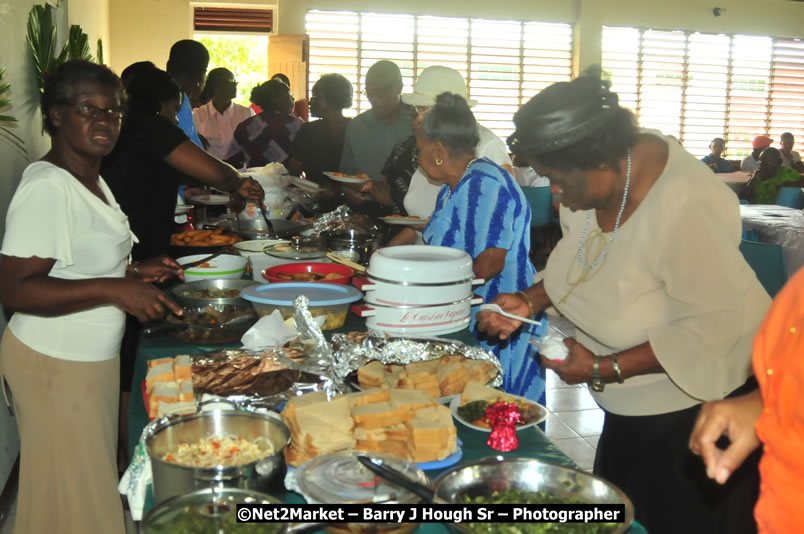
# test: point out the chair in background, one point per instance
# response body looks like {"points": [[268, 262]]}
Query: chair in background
{"points": [[541, 206], [767, 261], [790, 197]]}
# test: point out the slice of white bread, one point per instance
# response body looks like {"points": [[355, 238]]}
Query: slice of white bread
{"points": [[475, 391], [161, 392], [371, 374], [368, 396], [159, 361], [413, 399], [186, 391], [381, 414], [160, 373], [183, 368]]}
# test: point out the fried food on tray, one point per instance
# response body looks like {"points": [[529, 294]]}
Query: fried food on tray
{"points": [[203, 238]]}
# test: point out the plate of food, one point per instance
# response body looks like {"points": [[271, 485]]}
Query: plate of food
{"points": [[401, 220], [209, 200], [344, 178], [469, 408]]}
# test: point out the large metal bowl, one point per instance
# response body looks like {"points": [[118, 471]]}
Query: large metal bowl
{"points": [[484, 476], [169, 479], [194, 302]]}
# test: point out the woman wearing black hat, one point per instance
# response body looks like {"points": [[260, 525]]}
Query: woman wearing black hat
{"points": [[665, 306]]}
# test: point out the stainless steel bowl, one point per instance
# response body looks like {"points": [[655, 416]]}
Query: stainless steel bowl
{"points": [[195, 302], [208, 510], [484, 476], [169, 479]]}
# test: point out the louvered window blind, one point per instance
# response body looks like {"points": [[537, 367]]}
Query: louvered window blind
{"points": [[503, 62], [699, 86], [214, 19]]}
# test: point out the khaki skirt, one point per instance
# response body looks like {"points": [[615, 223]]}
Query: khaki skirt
{"points": [[67, 419]]}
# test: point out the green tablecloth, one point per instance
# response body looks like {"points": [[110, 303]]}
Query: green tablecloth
{"points": [[532, 441]]}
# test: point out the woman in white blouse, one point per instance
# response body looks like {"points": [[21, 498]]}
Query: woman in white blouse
{"points": [[664, 304], [65, 274]]}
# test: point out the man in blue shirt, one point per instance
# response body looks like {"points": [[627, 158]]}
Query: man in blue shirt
{"points": [[187, 65], [371, 136], [715, 162]]}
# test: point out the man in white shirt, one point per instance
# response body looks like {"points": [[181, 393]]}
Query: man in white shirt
{"points": [[217, 119], [790, 158]]}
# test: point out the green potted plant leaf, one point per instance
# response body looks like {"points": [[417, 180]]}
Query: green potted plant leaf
{"points": [[5, 101]]}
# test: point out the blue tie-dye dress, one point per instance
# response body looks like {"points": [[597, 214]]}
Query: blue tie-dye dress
{"points": [[487, 209]]}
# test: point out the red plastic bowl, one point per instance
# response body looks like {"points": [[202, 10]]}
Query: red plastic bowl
{"points": [[320, 268]]}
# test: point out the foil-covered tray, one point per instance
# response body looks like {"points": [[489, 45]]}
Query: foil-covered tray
{"points": [[355, 349]]}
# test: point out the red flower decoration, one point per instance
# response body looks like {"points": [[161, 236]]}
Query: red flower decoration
{"points": [[503, 418]]}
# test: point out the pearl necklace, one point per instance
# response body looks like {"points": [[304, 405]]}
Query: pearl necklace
{"points": [[605, 252]]}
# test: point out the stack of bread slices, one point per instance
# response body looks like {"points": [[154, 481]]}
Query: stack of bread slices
{"points": [[404, 422], [441, 377], [169, 386]]}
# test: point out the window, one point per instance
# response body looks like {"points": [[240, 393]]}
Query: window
{"points": [[699, 86], [503, 62], [236, 39]]}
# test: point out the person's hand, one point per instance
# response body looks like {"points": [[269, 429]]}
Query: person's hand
{"points": [[735, 418], [250, 189], [142, 300], [378, 191], [577, 367], [494, 324], [159, 269], [353, 195]]}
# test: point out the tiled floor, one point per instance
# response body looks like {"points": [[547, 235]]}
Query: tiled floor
{"points": [[576, 419]]}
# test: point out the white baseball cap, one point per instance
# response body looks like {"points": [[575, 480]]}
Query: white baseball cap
{"points": [[432, 82]]}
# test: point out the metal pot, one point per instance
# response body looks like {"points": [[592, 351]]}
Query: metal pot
{"points": [[433, 319], [482, 477], [354, 245], [169, 479]]}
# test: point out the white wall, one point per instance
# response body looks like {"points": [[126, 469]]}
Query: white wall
{"points": [[15, 56], [145, 29]]}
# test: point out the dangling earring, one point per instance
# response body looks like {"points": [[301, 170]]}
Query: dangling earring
{"points": [[439, 162]]}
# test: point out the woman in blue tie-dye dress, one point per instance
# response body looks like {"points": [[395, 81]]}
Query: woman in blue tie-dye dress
{"points": [[481, 209]]}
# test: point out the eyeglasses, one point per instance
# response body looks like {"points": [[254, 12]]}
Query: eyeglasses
{"points": [[88, 111]]}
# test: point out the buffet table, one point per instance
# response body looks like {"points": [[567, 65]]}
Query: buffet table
{"points": [[533, 443], [778, 225]]}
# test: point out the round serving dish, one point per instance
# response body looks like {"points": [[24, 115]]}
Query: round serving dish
{"points": [[208, 510], [482, 477], [329, 300], [354, 245], [184, 293], [256, 247], [343, 273], [431, 319], [164, 435], [421, 264], [224, 266]]}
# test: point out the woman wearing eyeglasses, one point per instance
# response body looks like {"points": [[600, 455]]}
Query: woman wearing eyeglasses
{"points": [[65, 273], [665, 306]]}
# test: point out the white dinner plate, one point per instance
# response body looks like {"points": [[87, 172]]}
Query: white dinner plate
{"points": [[346, 179], [210, 200], [404, 221], [456, 403], [304, 184]]}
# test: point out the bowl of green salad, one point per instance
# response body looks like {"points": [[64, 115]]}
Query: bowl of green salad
{"points": [[530, 482]]}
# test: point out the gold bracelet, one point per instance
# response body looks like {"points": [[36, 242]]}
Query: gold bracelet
{"points": [[615, 364], [531, 308]]}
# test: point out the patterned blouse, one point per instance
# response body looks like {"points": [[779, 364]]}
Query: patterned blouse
{"points": [[398, 171], [487, 209], [267, 138]]}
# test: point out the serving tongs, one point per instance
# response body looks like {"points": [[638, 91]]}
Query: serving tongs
{"points": [[397, 478]]}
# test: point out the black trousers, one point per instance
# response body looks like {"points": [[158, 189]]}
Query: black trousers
{"points": [[648, 458]]}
